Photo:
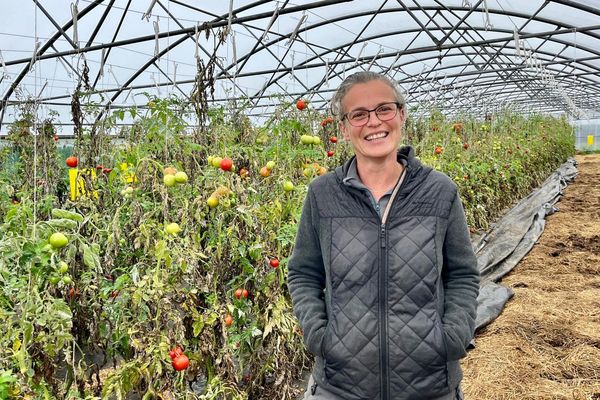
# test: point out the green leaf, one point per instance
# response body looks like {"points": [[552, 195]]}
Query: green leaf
{"points": [[60, 213], [198, 326], [91, 259], [62, 224]]}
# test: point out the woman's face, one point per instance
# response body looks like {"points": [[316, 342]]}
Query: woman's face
{"points": [[376, 140]]}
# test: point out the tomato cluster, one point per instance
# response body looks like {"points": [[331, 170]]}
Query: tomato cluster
{"points": [[179, 361]]}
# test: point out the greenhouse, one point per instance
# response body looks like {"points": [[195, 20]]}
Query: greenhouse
{"points": [[160, 158]]}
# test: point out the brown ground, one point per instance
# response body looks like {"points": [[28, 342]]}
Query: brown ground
{"points": [[546, 343]]}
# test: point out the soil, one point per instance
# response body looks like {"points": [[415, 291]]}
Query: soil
{"points": [[546, 342]]}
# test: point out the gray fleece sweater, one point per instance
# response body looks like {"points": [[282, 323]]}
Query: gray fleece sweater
{"points": [[387, 307]]}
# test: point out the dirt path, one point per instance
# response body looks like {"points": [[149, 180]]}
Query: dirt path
{"points": [[546, 343]]}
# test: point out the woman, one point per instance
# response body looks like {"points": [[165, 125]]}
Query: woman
{"points": [[383, 278]]}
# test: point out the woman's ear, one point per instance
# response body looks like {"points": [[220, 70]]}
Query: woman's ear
{"points": [[344, 131], [402, 113]]}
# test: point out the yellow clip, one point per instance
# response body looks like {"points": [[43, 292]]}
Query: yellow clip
{"points": [[77, 181]]}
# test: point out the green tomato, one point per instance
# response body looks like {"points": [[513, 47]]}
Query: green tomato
{"points": [[63, 267], [173, 228], [58, 240], [169, 180], [181, 177], [288, 186]]}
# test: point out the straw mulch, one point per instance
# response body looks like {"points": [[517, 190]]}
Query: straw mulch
{"points": [[546, 343]]}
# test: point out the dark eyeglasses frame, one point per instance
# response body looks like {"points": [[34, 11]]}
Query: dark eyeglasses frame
{"points": [[398, 107]]}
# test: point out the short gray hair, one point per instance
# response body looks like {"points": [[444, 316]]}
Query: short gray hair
{"points": [[361, 77]]}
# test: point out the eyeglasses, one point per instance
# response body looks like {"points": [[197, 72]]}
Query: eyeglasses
{"points": [[384, 112]]}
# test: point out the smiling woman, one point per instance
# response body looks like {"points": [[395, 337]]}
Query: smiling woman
{"points": [[393, 256]]}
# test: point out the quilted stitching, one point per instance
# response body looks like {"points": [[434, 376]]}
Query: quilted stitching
{"points": [[352, 353], [352, 358]]}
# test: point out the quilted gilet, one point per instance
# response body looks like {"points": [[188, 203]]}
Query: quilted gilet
{"points": [[384, 337]]}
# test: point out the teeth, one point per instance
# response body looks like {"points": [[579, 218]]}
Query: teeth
{"points": [[376, 136]]}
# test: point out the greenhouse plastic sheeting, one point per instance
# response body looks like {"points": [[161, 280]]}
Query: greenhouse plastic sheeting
{"points": [[499, 251]]}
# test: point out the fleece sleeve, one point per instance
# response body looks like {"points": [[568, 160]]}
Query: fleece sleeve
{"points": [[461, 284], [306, 278]]}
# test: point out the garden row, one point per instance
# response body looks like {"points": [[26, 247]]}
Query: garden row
{"points": [[165, 273]]}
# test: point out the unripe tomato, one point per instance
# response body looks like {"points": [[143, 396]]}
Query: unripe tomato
{"points": [[58, 240], [72, 161], [63, 267], [288, 186], [181, 177], [169, 180], [172, 228], [264, 172], [212, 201], [169, 171]]}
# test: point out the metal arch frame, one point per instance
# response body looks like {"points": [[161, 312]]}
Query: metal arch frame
{"points": [[185, 31], [433, 48], [348, 46], [40, 52]]}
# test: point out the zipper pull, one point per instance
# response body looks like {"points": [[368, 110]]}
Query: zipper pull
{"points": [[382, 235]]}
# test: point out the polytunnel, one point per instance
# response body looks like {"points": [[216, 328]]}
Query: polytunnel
{"points": [[185, 212], [538, 56]]}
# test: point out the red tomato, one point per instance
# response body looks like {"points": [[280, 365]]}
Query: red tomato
{"points": [[301, 104], [466, 146], [228, 320], [333, 139], [330, 153], [238, 293], [274, 263], [180, 362], [244, 293], [72, 161], [438, 150], [226, 164]]}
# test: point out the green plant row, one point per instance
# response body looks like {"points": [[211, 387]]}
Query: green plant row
{"points": [[95, 314]]}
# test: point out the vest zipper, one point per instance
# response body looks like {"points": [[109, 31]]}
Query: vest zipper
{"points": [[383, 355], [383, 299]]}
